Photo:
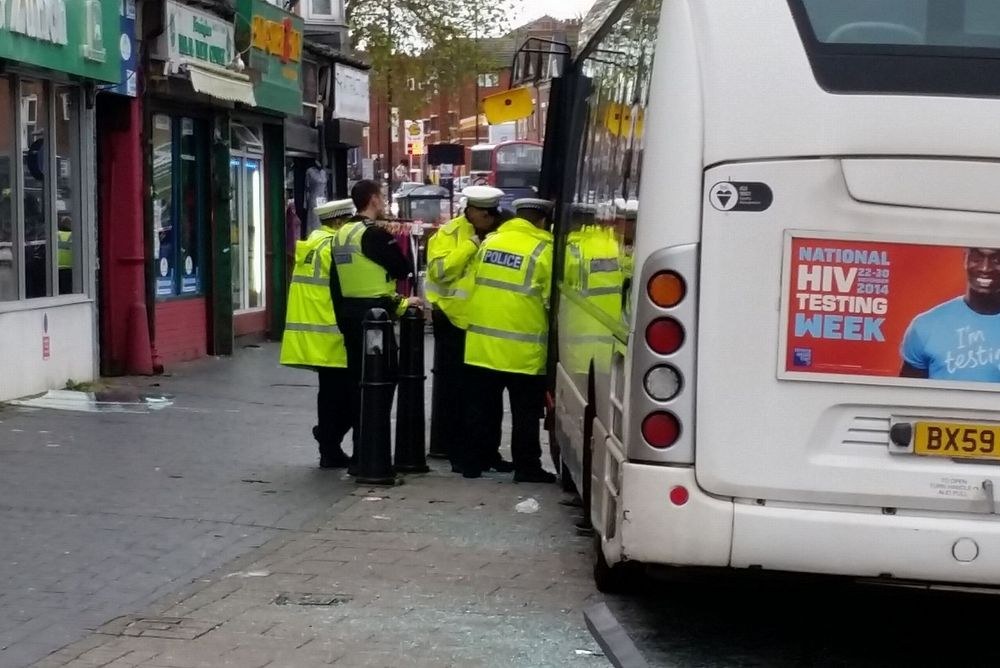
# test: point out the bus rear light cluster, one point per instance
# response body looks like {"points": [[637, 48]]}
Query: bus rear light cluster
{"points": [[661, 430], [665, 336]]}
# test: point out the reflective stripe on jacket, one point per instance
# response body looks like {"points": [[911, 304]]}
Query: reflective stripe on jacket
{"points": [[507, 312], [312, 338], [451, 253]]}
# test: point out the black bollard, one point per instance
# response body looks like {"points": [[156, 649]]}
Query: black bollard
{"points": [[410, 407], [377, 385], [439, 433]]}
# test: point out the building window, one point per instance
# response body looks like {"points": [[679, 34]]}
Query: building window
{"points": [[324, 11], [489, 80], [179, 204], [246, 179], [40, 209]]}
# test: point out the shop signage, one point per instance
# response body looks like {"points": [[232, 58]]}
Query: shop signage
{"points": [[127, 82], [74, 36], [350, 94], [274, 39], [197, 36]]}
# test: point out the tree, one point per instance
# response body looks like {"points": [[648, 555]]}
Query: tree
{"points": [[431, 43]]}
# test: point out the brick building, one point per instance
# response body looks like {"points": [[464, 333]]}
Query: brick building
{"points": [[452, 116]]}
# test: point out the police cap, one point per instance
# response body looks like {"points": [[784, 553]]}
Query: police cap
{"points": [[482, 197], [535, 204], [335, 209]]}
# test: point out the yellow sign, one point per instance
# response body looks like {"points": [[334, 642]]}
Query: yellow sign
{"points": [[957, 440], [416, 147], [414, 129], [510, 105], [278, 39], [618, 120]]}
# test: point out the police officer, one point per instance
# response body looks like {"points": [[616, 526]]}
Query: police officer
{"points": [[507, 338], [312, 339], [368, 263], [451, 253]]}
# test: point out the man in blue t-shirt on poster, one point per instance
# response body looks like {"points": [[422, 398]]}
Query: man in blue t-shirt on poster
{"points": [[960, 339]]}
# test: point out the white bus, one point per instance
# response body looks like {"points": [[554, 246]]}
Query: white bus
{"points": [[777, 319]]}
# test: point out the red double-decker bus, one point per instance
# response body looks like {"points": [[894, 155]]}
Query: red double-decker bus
{"points": [[515, 167]]}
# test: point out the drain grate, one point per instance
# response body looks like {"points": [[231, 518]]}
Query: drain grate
{"points": [[170, 628], [311, 599]]}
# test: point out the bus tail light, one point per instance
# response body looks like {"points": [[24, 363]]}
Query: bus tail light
{"points": [[661, 430], [666, 289], [665, 336], [663, 383], [679, 495]]}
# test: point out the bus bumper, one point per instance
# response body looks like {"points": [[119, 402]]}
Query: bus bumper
{"points": [[711, 531]]}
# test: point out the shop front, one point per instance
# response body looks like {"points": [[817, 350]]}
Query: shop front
{"points": [[272, 40], [53, 57], [195, 86]]}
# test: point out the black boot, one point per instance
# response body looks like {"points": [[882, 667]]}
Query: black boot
{"points": [[333, 459], [534, 475]]}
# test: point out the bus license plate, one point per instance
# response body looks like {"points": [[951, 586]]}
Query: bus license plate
{"points": [[957, 440]]}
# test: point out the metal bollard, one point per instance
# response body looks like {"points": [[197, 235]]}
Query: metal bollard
{"points": [[377, 385], [410, 441]]}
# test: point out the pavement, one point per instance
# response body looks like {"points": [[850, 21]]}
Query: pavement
{"points": [[203, 535], [106, 515]]}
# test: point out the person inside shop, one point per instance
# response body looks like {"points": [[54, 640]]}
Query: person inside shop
{"points": [[506, 343], [368, 262], [312, 339]]}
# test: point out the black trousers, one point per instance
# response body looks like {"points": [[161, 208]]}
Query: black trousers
{"points": [[333, 409], [350, 319], [484, 389]]}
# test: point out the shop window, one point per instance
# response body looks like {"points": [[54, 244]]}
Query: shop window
{"points": [[246, 180], [40, 209], [179, 205]]}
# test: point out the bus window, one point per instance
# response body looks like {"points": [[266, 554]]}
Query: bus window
{"points": [[903, 46], [482, 160], [597, 236], [943, 23]]}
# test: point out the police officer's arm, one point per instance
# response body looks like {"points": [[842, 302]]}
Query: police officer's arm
{"points": [[448, 262], [543, 274], [336, 294], [381, 247]]}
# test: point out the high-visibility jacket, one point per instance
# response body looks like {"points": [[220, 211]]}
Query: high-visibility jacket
{"points": [[450, 256], [507, 312], [312, 338], [65, 249], [361, 277], [596, 281]]}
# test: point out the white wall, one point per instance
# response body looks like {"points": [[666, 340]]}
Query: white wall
{"points": [[72, 347]]}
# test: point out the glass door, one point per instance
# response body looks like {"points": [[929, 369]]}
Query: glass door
{"points": [[235, 232], [253, 218]]}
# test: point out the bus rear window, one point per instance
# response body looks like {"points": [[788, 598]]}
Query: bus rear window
{"points": [[482, 161], [519, 157], [935, 23], [921, 47]]}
